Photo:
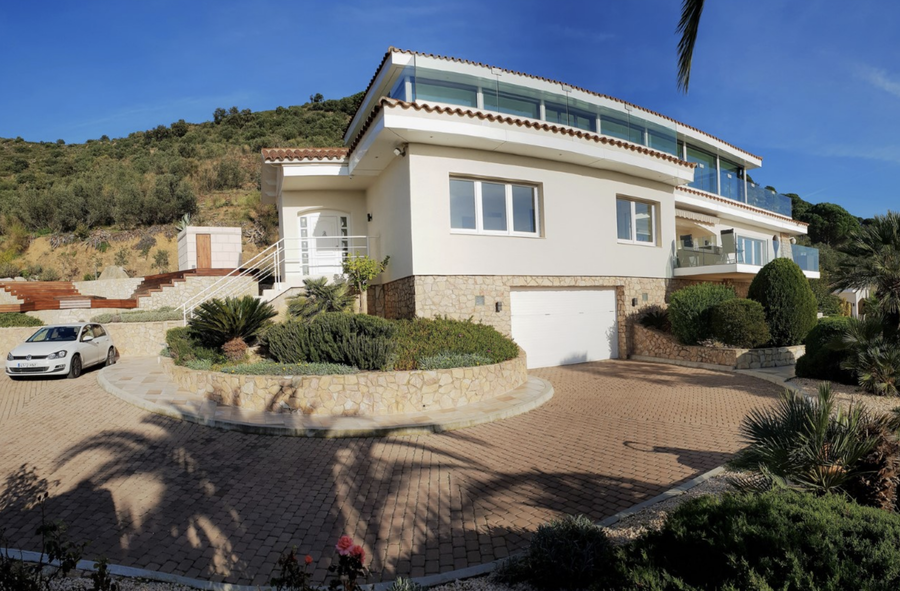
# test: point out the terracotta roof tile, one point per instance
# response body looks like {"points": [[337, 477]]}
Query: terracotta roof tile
{"points": [[741, 205], [612, 98], [390, 103], [275, 154]]}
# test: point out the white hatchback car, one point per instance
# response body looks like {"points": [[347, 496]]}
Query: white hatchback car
{"points": [[61, 349]]}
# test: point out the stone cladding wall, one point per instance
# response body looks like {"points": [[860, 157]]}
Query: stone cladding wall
{"points": [[132, 339], [454, 296], [181, 291], [653, 343], [362, 394], [396, 299]]}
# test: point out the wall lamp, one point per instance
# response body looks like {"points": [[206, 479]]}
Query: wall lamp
{"points": [[498, 306]]}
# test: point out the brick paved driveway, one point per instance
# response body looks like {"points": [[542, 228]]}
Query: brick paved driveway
{"points": [[156, 493]]}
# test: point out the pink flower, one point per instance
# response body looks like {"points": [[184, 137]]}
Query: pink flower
{"points": [[308, 559], [344, 545], [358, 552]]}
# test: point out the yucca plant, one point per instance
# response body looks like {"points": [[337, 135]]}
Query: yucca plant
{"points": [[321, 297], [804, 443], [217, 322]]}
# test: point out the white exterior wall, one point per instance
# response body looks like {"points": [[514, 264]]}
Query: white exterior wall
{"points": [[225, 245], [389, 230], [298, 203], [578, 226]]}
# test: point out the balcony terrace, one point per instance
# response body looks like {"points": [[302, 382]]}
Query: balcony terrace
{"points": [[740, 257]]}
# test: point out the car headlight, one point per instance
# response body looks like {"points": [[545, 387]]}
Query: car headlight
{"points": [[57, 355], [9, 356]]}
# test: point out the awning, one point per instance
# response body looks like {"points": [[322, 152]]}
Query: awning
{"points": [[696, 217]]}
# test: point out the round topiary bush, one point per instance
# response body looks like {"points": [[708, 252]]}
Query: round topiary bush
{"points": [[785, 295], [740, 323], [821, 361], [690, 310]]}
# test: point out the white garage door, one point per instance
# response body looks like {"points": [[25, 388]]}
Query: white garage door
{"points": [[564, 326]]}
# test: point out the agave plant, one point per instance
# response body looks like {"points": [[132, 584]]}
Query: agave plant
{"points": [[217, 322], [320, 297], [805, 443]]}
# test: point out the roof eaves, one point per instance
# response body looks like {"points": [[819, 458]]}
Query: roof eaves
{"points": [[529, 123], [742, 205]]}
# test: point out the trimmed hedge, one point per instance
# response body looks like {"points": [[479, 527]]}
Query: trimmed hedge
{"points": [[358, 340], [781, 539], [740, 323], [270, 368], [423, 338], [160, 315], [821, 362], [784, 292], [10, 319], [451, 360], [690, 311]]}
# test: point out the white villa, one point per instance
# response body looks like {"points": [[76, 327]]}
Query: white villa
{"points": [[550, 212]]}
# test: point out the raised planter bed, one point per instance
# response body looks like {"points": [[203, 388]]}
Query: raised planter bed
{"points": [[361, 394], [659, 345]]}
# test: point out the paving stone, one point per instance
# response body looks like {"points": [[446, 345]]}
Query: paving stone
{"points": [[219, 505]]}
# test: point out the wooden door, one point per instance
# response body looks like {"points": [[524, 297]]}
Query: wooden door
{"points": [[204, 251]]}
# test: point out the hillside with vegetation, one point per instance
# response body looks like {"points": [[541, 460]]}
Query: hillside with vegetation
{"points": [[67, 211]]}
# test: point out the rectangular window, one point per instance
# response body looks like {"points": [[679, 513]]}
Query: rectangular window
{"points": [[440, 91], [462, 204], [705, 173], [484, 207], [635, 222], [511, 104]]}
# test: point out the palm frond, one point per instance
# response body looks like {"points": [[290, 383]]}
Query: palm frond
{"points": [[688, 27]]}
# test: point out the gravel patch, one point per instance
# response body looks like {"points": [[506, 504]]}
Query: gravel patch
{"points": [[846, 395]]}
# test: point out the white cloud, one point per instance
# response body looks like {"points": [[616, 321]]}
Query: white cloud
{"points": [[880, 78]]}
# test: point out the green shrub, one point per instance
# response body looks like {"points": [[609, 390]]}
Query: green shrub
{"points": [[216, 321], [160, 315], [690, 310], [184, 348], [402, 584], [357, 340], [8, 319], [8, 269], [568, 553], [655, 317], [778, 540], [821, 360], [451, 360], [740, 323], [422, 338], [828, 303], [269, 368], [790, 305]]}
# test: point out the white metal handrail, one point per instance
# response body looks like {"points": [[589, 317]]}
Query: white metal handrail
{"points": [[291, 256], [267, 260]]}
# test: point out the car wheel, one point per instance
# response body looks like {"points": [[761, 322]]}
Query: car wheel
{"points": [[75, 368], [110, 357]]}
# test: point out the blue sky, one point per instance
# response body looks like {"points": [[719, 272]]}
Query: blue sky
{"points": [[812, 87]]}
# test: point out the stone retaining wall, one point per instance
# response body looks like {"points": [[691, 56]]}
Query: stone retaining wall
{"points": [[132, 339], [366, 393], [111, 289], [653, 343]]}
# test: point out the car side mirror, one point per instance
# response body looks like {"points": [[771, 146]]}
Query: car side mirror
{"points": [[87, 338]]}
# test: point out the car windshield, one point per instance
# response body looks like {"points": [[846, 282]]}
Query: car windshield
{"points": [[51, 334]]}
